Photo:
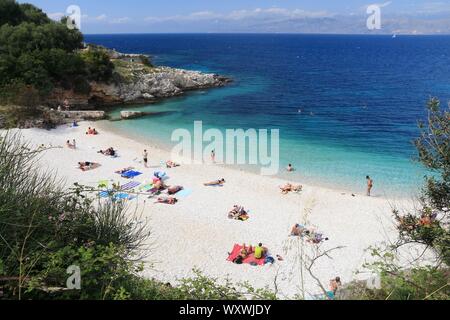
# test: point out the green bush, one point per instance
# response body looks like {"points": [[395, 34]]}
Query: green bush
{"points": [[44, 54], [99, 66]]}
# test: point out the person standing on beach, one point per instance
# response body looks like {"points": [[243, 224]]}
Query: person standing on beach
{"points": [[369, 185], [213, 156], [145, 156], [74, 144]]}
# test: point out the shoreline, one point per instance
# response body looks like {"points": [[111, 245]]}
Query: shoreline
{"points": [[281, 176], [196, 233]]}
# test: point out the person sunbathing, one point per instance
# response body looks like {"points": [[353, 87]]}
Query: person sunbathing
{"points": [[158, 186], [260, 251], [170, 164], [298, 230], [86, 165], [288, 187], [91, 131], [238, 213], [219, 182], [316, 238], [70, 145], [168, 200], [244, 253], [243, 217], [233, 213], [116, 186], [108, 152], [122, 171], [335, 284], [174, 189]]}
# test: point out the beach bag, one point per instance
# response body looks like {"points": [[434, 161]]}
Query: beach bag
{"points": [[269, 260], [238, 260]]}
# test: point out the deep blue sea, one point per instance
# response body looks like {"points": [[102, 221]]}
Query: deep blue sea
{"points": [[360, 98]]}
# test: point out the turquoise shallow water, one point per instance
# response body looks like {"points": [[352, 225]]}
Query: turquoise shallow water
{"points": [[360, 99]]}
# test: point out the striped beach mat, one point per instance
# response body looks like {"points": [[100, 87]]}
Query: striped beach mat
{"points": [[130, 185]]}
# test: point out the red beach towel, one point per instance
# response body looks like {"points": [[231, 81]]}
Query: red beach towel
{"points": [[250, 259]]}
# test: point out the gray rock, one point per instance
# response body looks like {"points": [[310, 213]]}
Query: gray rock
{"points": [[84, 115], [162, 82], [131, 114]]}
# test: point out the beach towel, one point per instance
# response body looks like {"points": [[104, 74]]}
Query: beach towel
{"points": [[130, 185], [159, 174], [250, 258], [122, 171], [174, 190], [123, 196], [146, 187], [103, 184], [104, 194], [131, 174], [184, 193]]}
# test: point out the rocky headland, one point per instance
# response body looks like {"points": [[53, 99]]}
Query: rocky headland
{"points": [[137, 81]]}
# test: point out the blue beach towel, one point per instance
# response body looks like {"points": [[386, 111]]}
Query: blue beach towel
{"points": [[123, 196], [131, 174], [184, 193], [159, 174], [269, 259], [104, 194]]}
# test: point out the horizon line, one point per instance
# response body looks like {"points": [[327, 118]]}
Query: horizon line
{"points": [[268, 33]]}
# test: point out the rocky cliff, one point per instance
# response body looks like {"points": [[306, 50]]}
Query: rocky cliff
{"points": [[135, 82]]}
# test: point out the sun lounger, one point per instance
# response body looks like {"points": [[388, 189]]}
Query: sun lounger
{"points": [[130, 185]]}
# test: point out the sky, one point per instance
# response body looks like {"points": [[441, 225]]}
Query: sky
{"points": [[266, 16]]}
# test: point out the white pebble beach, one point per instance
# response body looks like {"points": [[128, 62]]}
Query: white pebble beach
{"points": [[196, 232]]}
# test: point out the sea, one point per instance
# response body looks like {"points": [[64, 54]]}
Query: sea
{"points": [[346, 106]]}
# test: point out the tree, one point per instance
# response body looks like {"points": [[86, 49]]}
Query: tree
{"points": [[434, 152], [38, 52], [10, 12], [427, 225], [98, 64]]}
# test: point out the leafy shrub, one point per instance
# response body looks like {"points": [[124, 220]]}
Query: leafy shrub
{"points": [[99, 66]]}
